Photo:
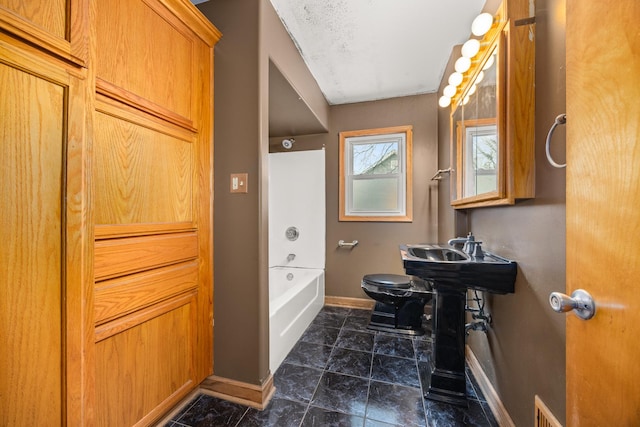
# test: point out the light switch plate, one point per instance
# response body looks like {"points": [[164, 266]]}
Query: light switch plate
{"points": [[239, 183]]}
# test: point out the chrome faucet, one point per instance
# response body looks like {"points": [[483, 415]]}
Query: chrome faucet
{"points": [[469, 245], [460, 240], [291, 257]]}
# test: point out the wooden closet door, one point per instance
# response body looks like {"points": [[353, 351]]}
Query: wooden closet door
{"points": [[152, 153], [43, 261]]}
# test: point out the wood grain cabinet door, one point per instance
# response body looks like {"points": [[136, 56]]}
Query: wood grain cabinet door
{"points": [[152, 158], [45, 276]]}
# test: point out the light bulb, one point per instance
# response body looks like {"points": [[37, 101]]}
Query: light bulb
{"points": [[489, 62], [470, 48], [479, 77], [465, 101], [449, 91], [472, 90], [462, 64], [455, 79], [481, 24], [444, 101]]}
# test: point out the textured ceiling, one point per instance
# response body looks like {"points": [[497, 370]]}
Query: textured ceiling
{"points": [[363, 50]]}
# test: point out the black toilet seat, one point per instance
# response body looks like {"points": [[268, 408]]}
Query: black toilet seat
{"points": [[394, 281]]}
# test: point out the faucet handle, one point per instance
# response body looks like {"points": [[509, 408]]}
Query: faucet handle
{"points": [[477, 250]]}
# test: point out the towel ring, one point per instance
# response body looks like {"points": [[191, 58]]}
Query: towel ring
{"points": [[560, 120]]}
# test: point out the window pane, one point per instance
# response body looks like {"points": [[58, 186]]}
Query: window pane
{"points": [[375, 158], [481, 166], [375, 195]]}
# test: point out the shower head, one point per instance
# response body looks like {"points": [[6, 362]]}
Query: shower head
{"points": [[288, 143]]}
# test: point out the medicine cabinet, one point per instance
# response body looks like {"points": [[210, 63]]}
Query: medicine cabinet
{"points": [[492, 115]]}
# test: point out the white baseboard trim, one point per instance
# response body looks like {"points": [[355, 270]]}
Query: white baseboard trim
{"points": [[493, 400]]}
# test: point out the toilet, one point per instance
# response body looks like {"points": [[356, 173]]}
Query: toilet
{"points": [[400, 302]]}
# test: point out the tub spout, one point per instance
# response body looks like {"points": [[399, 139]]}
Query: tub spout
{"points": [[291, 257]]}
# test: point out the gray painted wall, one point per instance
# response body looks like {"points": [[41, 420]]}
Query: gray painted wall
{"points": [[377, 251]]}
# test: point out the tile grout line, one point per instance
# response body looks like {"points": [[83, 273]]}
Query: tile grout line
{"points": [[324, 370]]}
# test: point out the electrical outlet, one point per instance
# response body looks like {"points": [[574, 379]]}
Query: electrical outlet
{"points": [[239, 183]]}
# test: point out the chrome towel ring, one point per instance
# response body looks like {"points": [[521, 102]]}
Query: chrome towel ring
{"points": [[560, 120]]}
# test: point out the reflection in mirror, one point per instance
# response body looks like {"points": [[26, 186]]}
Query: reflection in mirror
{"points": [[477, 134], [481, 158], [480, 147]]}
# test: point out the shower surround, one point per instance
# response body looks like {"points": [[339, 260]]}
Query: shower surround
{"points": [[296, 247]]}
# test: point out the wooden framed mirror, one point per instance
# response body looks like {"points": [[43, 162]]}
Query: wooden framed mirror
{"points": [[492, 123]]}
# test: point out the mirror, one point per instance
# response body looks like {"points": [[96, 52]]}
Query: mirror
{"points": [[492, 135], [476, 132]]}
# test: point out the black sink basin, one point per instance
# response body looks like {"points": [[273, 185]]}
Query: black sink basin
{"points": [[437, 254], [448, 266]]}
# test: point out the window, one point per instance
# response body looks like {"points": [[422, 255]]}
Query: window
{"points": [[375, 175]]}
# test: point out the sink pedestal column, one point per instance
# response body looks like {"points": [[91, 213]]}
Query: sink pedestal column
{"points": [[447, 377]]}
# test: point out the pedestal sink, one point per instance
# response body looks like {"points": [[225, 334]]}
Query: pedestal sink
{"points": [[451, 272]]}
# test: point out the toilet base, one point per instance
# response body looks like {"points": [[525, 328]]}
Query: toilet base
{"points": [[403, 319]]}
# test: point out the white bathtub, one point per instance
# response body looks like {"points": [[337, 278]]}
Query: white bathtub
{"points": [[296, 295]]}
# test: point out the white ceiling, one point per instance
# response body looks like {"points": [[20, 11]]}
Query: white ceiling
{"points": [[363, 50]]}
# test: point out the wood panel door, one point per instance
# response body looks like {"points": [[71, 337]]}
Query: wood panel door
{"points": [[603, 210], [45, 255], [153, 154]]}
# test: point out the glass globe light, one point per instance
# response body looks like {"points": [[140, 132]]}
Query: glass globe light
{"points": [[482, 24], [470, 48], [444, 101], [449, 91], [462, 64], [489, 62], [472, 90], [455, 79], [465, 101], [479, 77]]}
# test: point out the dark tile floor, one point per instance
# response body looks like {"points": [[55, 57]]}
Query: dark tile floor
{"points": [[341, 374]]}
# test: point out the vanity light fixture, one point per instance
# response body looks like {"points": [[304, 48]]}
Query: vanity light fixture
{"points": [[480, 26]]}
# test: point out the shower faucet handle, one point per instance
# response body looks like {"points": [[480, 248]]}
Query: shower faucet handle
{"points": [[292, 233]]}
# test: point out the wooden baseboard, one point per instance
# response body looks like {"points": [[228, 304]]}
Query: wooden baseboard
{"points": [[252, 395], [493, 400], [349, 302]]}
